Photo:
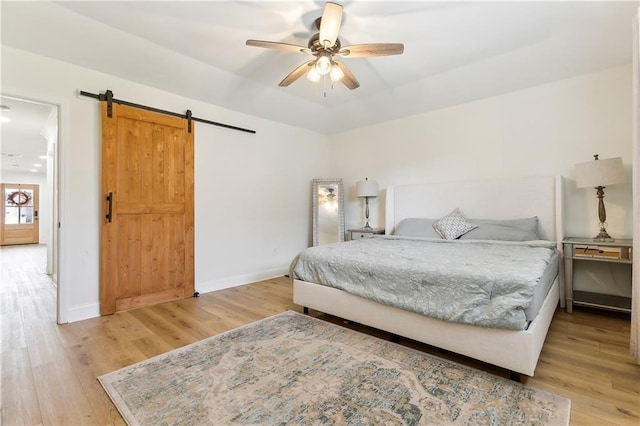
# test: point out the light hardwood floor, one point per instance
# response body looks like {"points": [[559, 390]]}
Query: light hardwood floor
{"points": [[49, 371]]}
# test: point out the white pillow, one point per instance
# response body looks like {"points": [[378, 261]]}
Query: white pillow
{"points": [[453, 225]]}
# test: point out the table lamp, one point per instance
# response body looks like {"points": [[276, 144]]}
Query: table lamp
{"points": [[367, 189], [599, 174]]}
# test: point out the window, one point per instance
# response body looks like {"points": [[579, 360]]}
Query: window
{"points": [[18, 206]]}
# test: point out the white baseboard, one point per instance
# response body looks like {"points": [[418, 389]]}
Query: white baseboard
{"points": [[79, 313], [213, 285], [83, 312]]}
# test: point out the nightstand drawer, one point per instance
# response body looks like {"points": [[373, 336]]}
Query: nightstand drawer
{"points": [[597, 252], [357, 235], [622, 253]]}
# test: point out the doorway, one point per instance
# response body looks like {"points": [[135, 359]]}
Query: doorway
{"points": [[29, 172]]}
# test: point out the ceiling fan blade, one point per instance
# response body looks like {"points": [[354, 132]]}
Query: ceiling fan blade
{"points": [[296, 74], [330, 24], [279, 46], [371, 49], [349, 79]]}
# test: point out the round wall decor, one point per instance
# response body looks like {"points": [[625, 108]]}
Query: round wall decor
{"points": [[19, 198]]}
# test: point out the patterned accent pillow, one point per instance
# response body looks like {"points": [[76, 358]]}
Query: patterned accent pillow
{"points": [[453, 225]]}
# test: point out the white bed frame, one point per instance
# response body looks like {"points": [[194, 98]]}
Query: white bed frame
{"points": [[517, 351]]}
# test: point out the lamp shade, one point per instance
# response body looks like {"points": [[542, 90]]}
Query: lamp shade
{"points": [[600, 173], [367, 188]]}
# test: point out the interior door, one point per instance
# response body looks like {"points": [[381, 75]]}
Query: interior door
{"points": [[19, 221], [147, 240]]}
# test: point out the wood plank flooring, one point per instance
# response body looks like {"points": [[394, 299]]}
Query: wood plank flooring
{"points": [[48, 371]]}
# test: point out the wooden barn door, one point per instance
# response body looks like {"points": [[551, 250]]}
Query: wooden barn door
{"points": [[147, 240]]}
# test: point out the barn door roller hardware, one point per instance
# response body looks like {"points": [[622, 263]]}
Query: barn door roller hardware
{"points": [[110, 100]]}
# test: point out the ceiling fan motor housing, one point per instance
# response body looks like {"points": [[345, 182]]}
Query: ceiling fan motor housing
{"points": [[315, 45]]}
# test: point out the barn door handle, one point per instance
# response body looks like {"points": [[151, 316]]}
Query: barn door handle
{"points": [[110, 201]]}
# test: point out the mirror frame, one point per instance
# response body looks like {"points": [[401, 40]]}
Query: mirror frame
{"points": [[314, 197]]}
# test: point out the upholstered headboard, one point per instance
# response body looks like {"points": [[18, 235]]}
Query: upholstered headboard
{"points": [[484, 199]]}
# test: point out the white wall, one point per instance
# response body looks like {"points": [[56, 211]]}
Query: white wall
{"points": [[252, 192], [44, 212], [543, 130]]}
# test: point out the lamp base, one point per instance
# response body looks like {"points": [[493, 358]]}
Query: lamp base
{"points": [[366, 214], [604, 236]]}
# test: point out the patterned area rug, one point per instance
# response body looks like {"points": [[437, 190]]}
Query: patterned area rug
{"points": [[295, 369]]}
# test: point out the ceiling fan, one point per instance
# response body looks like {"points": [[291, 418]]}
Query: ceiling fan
{"points": [[325, 46]]}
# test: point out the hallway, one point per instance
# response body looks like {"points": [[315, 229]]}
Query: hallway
{"points": [[28, 318]]}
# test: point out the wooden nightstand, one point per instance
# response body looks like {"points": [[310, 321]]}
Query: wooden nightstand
{"points": [[587, 250], [356, 234]]}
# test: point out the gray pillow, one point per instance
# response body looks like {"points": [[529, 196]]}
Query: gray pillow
{"points": [[525, 229], [416, 227]]}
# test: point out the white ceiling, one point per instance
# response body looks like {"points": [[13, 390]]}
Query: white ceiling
{"points": [[21, 143], [455, 52]]}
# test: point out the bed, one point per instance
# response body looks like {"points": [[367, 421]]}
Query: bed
{"points": [[514, 350]]}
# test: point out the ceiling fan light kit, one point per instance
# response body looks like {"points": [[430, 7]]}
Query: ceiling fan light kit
{"points": [[336, 73], [324, 46], [323, 64], [313, 75]]}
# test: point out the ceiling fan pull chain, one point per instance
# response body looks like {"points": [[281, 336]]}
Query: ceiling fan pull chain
{"points": [[324, 85]]}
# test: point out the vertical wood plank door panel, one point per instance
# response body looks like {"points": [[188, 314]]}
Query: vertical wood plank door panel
{"points": [[147, 249]]}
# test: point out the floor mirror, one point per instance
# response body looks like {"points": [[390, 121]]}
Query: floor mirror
{"points": [[328, 211]]}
